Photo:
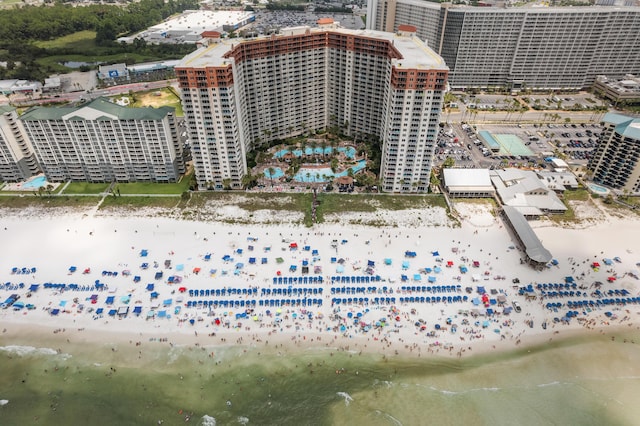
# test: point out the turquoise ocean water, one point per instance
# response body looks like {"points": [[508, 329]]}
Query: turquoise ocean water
{"points": [[580, 381]]}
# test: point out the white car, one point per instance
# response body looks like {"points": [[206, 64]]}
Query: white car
{"points": [[516, 306]]}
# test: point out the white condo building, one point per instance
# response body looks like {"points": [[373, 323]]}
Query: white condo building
{"points": [[104, 142], [239, 94], [17, 161], [520, 47]]}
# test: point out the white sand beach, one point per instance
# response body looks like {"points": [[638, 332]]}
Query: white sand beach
{"points": [[398, 289]]}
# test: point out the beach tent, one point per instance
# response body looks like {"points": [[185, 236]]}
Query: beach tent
{"points": [[387, 261], [608, 261], [435, 253], [150, 287], [34, 287], [207, 257], [144, 253], [405, 264], [72, 269], [110, 300], [432, 279]]}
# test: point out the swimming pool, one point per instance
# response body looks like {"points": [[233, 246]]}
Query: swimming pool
{"points": [[594, 187], [349, 152], [277, 173], [314, 175], [35, 183]]}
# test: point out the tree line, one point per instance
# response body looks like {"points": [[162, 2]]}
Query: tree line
{"points": [[22, 26], [30, 23]]}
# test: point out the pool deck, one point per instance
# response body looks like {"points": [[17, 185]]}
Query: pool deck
{"points": [[19, 186]]}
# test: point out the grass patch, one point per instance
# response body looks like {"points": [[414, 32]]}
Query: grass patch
{"points": [[155, 98], [21, 202], [338, 203], [252, 202], [154, 188], [140, 202], [580, 194], [80, 41], [85, 188]]}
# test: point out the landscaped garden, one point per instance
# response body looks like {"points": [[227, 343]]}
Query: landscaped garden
{"points": [[320, 160]]}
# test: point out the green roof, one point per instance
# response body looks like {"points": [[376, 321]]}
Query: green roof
{"points": [[628, 127], [6, 108], [98, 109]]}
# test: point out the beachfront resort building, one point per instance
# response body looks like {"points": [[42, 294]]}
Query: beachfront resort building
{"points": [[526, 192], [520, 47], [103, 142], [615, 161], [17, 161], [241, 94]]}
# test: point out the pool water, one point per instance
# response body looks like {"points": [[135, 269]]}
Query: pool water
{"points": [[597, 188], [349, 152], [35, 183], [309, 175]]}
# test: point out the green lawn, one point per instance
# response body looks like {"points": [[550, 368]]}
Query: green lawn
{"points": [[156, 98], [154, 188], [86, 188], [48, 202], [82, 40]]}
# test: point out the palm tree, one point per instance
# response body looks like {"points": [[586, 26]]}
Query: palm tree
{"points": [[49, 188], [272, 171], [248, 180]]}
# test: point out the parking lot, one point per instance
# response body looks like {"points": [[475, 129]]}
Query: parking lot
{"points": [[462, 143]]}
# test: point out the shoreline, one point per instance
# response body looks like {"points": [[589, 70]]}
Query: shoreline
{"points": [[410, 329]]}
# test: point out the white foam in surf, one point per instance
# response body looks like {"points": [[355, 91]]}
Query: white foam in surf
{"points": [[243, 420], [4, 402], [30, 350], [346, 396], [207, 421]]}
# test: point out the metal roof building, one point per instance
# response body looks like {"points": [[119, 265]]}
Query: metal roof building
{"points": [[470, 183], [103, 142], [537, 255]]}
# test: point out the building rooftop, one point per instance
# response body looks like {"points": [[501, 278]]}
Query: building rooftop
{"points": [[626, 126], [6, 108], [533, 246], [202, 20], [98, 109], [415, 53], [472, 178]]}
